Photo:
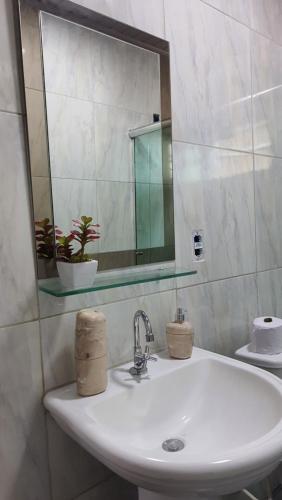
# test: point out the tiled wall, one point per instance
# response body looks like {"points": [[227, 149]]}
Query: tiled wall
{"points": [[226, 97]]}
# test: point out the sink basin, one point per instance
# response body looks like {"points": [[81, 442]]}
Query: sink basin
{"points": [[225, 415]]}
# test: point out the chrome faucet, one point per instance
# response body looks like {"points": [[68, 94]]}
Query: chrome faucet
{"points": [[140, 358]]}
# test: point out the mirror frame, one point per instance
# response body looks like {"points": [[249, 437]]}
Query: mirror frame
{"points": [[32, 66]]}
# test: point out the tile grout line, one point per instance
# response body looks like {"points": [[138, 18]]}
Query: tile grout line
{"points": [[205, 2], [251, 153], [254, 273], [253, 159], [11, 112], [19, 323]]}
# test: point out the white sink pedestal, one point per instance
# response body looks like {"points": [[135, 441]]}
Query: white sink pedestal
{"points": [[150, 495], [226, 414]]}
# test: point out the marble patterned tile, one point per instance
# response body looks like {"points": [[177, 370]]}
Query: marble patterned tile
{"points": [[18, 298], [114, 488], [67, 46], [71, 131], [126, 76], [266, 18], [210, 76], [116, 215], [270, 293], [10, 99], [146, 15], [107, 70], [239, 9], [221, 312], [267, 96], [23, 442], [72, 469], [57, 334], [114, 147], [37, 133], [214, 192], [268, 178], [73, 198]]}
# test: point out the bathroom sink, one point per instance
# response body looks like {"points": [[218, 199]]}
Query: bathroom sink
{"points": [[224, 418]]}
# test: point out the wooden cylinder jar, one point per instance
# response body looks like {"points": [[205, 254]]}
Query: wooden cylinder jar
{"points": [[90, 352]]}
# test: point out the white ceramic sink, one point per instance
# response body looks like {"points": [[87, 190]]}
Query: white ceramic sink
{"points": [[228, 415]]}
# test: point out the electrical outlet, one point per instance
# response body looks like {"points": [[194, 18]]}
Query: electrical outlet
{"points": [[198, 245]]}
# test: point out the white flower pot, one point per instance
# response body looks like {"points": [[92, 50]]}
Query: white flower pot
{"points": [[77, 275]]}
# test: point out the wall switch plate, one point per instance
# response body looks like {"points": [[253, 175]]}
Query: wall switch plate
{"points": [[198, 245]]}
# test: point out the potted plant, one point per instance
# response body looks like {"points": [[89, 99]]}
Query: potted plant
{"points": [[77, 269]]}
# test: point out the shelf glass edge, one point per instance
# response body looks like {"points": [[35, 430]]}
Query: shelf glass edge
{"points": [[52, 286]]}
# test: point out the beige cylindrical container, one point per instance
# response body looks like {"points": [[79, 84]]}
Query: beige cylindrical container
{"points": [[180, 337], [90, 352]]}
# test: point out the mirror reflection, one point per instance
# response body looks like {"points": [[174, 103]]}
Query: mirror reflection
{"points": [[107, 109]]}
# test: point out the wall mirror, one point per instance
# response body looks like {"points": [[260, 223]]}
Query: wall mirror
{"points": [[97, 96]]}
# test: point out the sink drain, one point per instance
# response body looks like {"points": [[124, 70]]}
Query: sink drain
{"points": [[173, 444]]}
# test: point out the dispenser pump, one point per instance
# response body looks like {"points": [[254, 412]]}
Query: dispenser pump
{"points": [[180, 316]]}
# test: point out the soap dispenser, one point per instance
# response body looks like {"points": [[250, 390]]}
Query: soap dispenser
{"points": [[180, 336]]}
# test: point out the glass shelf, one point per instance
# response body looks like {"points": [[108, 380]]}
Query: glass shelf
{"points": [[53, 286]]}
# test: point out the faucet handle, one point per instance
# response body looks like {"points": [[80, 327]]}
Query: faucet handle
{"points": [[148, 356]]}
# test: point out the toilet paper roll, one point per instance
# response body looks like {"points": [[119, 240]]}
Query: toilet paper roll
{"points": [[266, 336]]}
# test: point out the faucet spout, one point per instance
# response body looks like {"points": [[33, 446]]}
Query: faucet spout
{"points": [[140, 359]]}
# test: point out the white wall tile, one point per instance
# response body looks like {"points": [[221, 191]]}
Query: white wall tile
{"points": [[146, 15], [68, 58], [9, 75], [270, 293], [210, 76], [267, 95], [116, 215], [214, 192], [72, 469], [266, 18], [125, 75], [114, 147], [239, 9], [268, 181], [73, 198], [18, 300], [71, 131], [57, 334], [221, 312], [23, 448]]}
